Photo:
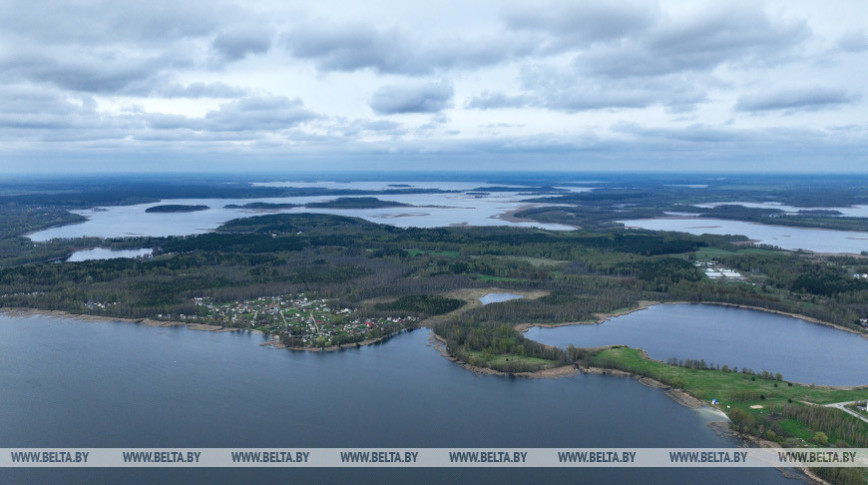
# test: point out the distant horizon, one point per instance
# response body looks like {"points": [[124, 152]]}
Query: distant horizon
{"points": [[373, 174]]}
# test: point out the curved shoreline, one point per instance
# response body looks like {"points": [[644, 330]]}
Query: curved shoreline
{"points": [[601, 317], [273, 342], [680, 396], [29, 312], [277, 344], [645, 304]]}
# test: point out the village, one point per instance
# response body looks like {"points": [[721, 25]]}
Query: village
{"points": [[299, 321]]}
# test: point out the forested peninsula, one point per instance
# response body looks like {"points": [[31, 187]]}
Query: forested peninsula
{"points": [[317, 281]]}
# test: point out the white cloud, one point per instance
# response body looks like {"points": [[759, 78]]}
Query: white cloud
{"points": [[334, 77]]}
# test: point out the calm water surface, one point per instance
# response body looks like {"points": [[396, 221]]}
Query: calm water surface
{"points": [[784, 237], [105, 253], [498, 298], [423, 210], [801, 351], [71, 383]]}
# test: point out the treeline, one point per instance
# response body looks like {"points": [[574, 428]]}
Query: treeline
{"points": [[557, 307], [841, 476], [700, 364], [355, 203], [421, 304], [351, 260], [465, 338], [817, 218], [830, 426], [838, 426]]}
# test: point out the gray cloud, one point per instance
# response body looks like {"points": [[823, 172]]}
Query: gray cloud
{"points": [[348, 129], [564, 92], [498, 100], [417, 98], [855, 41], [260, 113], [47, 115], [358, 46], [567, 90], [576, 24], [237, 44], [94, 72], [699, 43], [696, 133], [121, 47], [806, 99], [98, 21], [646, 58], [199, 90]]}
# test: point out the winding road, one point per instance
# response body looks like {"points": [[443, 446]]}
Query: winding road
{"points": [[840, 405]]}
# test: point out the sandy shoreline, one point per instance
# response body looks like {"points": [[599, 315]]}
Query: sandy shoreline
{"points": [[601, 317]]}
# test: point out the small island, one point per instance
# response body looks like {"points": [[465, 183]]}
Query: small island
{"points": [[176, 208], [355, 203], [261, 206]]}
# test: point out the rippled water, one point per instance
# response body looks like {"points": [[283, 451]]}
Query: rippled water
{"points": [[784, 237]]}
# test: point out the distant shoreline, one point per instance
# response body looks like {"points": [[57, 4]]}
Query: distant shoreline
{"points": [[28, 312], [644, 304]]}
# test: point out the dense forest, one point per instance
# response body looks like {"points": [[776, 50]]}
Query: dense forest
{"points": [[435, 275]]}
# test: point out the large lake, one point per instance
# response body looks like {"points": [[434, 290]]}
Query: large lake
{"points": [[71, 383], [784, 237], [801, 351], [461, 207]]}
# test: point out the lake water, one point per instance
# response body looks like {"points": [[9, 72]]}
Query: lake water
{"points": [[70, 383], [498, 298], [849, 211], [426, 210], [105, 253], [801, 351], [784, 237]]}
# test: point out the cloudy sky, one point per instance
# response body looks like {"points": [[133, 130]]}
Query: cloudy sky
{"points": [[774, 85]]}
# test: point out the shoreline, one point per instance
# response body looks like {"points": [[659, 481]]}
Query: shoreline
{"points": [[148, 322], [510, 216], [552, 373], [645, 304], [277, 344], [30, 312], [678, 395], [601, 317]]}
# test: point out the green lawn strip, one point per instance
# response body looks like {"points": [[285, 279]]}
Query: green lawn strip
{"points": [[505, 361], [735, 390], [727, 387]]}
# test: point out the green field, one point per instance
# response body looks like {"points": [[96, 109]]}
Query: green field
{"points": [[504, 361], [737, 392]]}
